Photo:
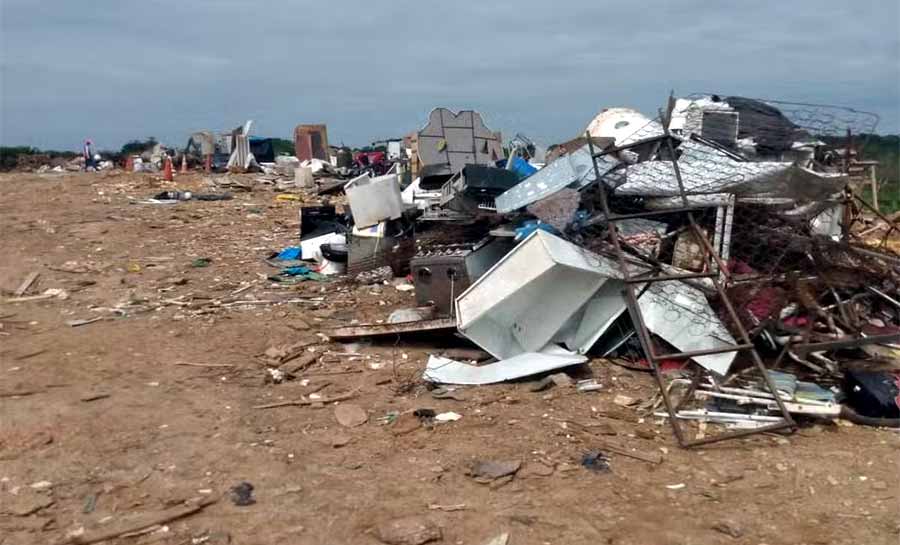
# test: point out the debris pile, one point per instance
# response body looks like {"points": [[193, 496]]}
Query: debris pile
{"points": [[722, 246], [719, 246]]}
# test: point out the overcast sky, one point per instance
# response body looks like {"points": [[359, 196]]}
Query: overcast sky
{"points": [[114, 70]]}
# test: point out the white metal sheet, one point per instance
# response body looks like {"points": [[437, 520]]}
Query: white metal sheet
{"points": [[447, 371], [523, 301]]}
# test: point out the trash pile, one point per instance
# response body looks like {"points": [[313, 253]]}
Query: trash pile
{"points": [[59, 164], [717, 246], [721, 246]]}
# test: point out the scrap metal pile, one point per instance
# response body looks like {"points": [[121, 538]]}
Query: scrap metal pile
{"points": [[718, 245]]}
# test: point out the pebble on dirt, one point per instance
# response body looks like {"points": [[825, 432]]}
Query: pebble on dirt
{"points": [[408, 531], [729, 528], [350, 415], [485, 471]]}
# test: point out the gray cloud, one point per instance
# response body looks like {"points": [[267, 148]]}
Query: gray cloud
{"points": [[117, 70]]}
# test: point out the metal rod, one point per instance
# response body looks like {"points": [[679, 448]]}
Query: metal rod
{"points": [[686, 276], [616, 149], [753, 353], [698, 233], [885, 296], [739, 433], [653, 213], [892, 225], [630, 299], [805, 348], [707, 352], [644, 337]]}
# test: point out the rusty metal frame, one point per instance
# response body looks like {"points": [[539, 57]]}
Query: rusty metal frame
{"points": [[634, 308], [892, 225]]}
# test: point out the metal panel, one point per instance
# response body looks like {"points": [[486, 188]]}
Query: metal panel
{"points": [[447, 371], [574, 169], [523, 302], [597, 315]]}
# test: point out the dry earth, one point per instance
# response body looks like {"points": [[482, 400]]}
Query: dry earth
{"points": [[158, 433]]}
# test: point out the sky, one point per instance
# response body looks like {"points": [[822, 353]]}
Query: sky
{"points": [[115, 70]]}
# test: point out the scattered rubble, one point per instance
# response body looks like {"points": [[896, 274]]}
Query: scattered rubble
{"points": [[716, 247]]}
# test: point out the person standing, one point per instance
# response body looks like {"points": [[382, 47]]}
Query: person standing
{"points": [[88, 153]]}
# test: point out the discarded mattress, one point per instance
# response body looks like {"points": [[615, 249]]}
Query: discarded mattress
{"points": [[706, 170], [681, 315]]}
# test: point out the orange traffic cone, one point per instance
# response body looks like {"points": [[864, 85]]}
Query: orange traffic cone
{"points": [[184, 164], [168, 175]]}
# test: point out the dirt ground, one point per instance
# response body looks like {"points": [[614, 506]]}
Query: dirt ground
{"points": [[101, 423]]}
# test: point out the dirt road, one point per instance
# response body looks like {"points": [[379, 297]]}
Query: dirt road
{"points": [[102, 422]]}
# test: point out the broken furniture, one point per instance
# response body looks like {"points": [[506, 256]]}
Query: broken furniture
{"points": [[311, 142], [450, 141]]}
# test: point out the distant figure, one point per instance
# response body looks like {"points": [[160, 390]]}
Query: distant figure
{"points": [[88, 153]]}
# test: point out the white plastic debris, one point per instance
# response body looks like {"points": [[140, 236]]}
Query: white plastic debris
{"points": [[447, 417]]}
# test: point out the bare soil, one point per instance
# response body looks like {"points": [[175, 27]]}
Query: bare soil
{"points": [[158, 434]]}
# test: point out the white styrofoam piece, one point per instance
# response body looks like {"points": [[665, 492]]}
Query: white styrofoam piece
{"points": [[447, 371]]}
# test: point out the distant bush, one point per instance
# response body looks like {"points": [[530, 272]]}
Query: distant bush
{"points": [[13, 156], [282, 146]]}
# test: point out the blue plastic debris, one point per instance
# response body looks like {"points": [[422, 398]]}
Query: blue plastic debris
{"points": [[531, 226], [521, 167], [289, 253]]}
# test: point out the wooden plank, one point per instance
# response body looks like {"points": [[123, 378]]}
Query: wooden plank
{"points": [[138, 523], [28, 298], [23, 287], [375, 330]]}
